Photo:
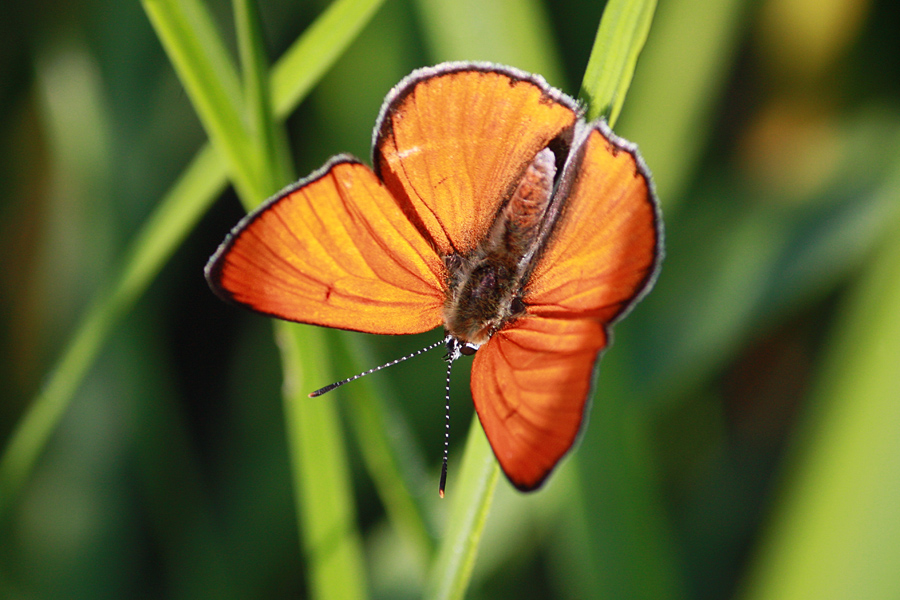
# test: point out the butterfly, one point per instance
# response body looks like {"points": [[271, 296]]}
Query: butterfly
{"points": [[492, 209]]}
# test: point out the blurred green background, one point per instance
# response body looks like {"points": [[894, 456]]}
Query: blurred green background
{"points": [[745, 436]]}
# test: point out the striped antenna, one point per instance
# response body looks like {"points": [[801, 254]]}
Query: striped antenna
{"points": [[454, 351], [446, 430], [338, 384]]}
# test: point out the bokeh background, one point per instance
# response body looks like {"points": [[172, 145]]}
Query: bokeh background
{"points": [[745, 435]]}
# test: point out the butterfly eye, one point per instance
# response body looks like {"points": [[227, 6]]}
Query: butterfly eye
{"points": [[517, 307], [468, 349], [456, 348]]}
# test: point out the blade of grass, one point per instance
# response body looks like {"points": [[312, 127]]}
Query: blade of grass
{"points": [[345, 107], [322, 485], [628, 536], [193, 192], [199, 62], [620, 39], [271, 145], [628, 533], [307, 60], [500, 36], [472, 496], [203, 29], [386, 452], [836, 533], [330, 538]]}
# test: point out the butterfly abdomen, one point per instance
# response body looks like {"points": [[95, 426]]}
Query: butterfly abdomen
{"points": [[524, 213], [486, 287]]}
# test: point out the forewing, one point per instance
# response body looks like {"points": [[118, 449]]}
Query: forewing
{"points": [[531, 384], [451, 144], [605, 248], [333, 250]]}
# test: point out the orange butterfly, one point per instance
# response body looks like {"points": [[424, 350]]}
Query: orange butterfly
{"points": [[492, 209]]}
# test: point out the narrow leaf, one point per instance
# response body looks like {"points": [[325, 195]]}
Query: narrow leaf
{"points": [[199, 68], [620, 39], [270, 148], [471, 496], [836, 533], [324, 496]]}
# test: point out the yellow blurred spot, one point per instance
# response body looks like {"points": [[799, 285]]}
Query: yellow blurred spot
{"points": [[807, 36]]}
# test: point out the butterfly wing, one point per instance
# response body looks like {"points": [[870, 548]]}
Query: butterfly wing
{"points": [[333, 250], [530, 384], [604, 251], [452, 142], [532, 380]]}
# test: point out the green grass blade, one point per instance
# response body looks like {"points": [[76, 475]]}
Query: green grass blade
{"points": [[382, 464], [505, 32], [308, 59], [388, 455], [471, 495], [272, 158], [680, 81], [176, 215], [366, 413], [198, 61], [330, 539], [322, 482], [836, 532], [627, 535], [620, 39]]}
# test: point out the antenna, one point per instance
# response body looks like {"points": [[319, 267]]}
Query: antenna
{"points": [[338, 384], [454, 351], [446, 428]]}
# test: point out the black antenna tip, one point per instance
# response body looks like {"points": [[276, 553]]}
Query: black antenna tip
{"points": [[443, 480], [326, 389]]}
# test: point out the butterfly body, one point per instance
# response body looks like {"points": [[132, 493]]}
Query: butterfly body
{"points": [[485, 289], [493, 210]]}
